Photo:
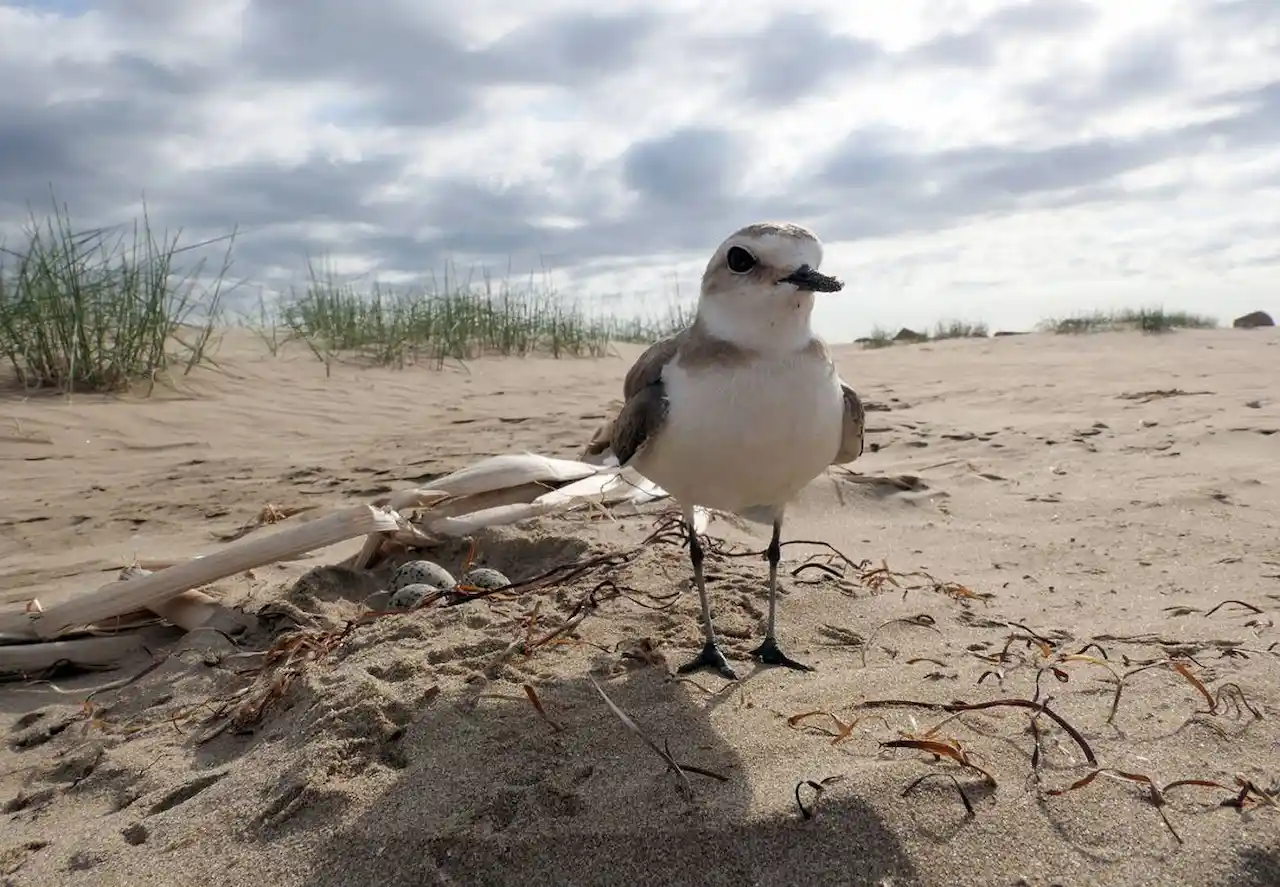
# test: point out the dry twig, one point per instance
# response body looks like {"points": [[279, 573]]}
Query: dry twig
{"points": [[686, 787]]}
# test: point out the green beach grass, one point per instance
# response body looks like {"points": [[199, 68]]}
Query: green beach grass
{"points": [[1154, 319], [944, 329], [401, 326], [1148, 320], [105, 309]]}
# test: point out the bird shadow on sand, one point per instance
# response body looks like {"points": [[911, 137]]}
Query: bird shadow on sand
{"points": [[490, 793], [1257, 867]]}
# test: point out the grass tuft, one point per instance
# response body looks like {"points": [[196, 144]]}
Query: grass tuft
{"points": [[402, 326], [99, 310], [102, 309], [1147, 320], [945, 329], [959, 329], [879, 338]]}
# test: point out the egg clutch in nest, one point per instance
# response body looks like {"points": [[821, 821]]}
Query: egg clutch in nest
{"points": [[415, 581]]}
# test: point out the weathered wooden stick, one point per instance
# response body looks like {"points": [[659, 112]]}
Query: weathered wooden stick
{"points": [[84, 652], [245, 554]]}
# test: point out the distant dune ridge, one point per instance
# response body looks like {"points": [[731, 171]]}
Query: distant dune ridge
{"points": [[1056, 510]]}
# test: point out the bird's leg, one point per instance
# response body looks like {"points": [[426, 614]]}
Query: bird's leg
{"points": [[768, 652], [711, 656]]}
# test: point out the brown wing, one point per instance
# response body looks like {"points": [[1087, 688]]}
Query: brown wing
{"points": [[648, 366], [646, 371], [640, 419], [855, 423], [645, 409], [600, 441]]}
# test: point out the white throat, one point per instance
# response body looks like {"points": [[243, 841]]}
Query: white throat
{"points": [[781, 329]]}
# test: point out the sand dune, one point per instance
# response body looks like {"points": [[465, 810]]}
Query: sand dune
{"points": [[1113, 495]]}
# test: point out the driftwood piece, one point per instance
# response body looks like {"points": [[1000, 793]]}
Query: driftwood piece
{"points": [[99, 652], [407, 534], [195, 609], [466, 524], [411, 498], [517, 494], [494, 491], [245, 554], [602, 487], [506, 489], [513, 469], [192, 609]]}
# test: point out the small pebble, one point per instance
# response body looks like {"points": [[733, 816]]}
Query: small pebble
{"points": [[409, 596], [485, 578], [135, 834], [421, 573]]}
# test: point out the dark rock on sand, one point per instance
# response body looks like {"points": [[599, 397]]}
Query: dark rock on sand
{"points": [[1253, 319]]}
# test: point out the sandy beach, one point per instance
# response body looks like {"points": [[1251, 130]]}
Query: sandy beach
{"points": [[1038, 517]]}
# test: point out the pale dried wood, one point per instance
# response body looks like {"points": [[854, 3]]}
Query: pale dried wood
{"points": [[602, 488], [494, 491], [191, 610], [123, 623], [466, 524], [478, 491], [408, 535], [491, 499], [244, 554], [413, 497], [512, 469], [94, 652], [368, 551]]}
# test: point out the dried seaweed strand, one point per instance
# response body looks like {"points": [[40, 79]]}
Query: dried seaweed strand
{"points": [[996, 703], [537, 706], [964, 797]]}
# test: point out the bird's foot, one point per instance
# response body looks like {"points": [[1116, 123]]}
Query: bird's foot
{"points": [[770, 654], [712, 658]]}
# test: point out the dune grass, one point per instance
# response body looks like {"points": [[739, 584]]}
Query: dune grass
{"points": [[1147, 320], [959, 329], [102, 309], [944, 329], [402, 326], [879, 338]]}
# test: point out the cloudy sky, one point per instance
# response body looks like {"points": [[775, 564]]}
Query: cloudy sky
{"points": [[1002, 160]]}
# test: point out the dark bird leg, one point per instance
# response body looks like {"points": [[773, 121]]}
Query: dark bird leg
{"points": [[711, 656], [768, 652]]}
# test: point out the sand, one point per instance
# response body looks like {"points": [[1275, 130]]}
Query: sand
{"points": [[1106, 490]]}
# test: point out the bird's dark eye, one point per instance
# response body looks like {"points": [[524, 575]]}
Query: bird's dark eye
{"points": [[739, 260]]}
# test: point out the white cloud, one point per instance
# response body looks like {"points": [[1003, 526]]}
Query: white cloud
{"points": [[994, 159]]}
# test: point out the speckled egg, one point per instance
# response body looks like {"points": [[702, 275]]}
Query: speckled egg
{"points": [[485, 578], [420, 573], [409, 596]]}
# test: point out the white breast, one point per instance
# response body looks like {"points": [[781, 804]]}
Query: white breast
{"points": [[746, 437]]}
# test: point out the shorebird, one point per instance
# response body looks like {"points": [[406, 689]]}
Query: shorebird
{"points": [[740, 410]]}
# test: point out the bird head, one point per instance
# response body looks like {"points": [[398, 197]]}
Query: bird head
{"points": [[758, 288]]}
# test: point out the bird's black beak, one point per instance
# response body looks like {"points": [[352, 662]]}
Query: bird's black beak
{"points": [[805, 278]]}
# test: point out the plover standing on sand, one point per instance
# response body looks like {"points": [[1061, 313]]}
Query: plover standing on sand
{"points": [[743, 408]]}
